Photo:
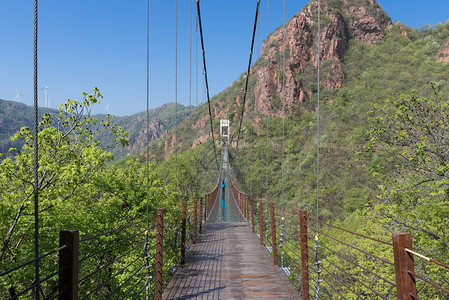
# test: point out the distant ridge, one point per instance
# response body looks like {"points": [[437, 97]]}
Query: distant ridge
{"points": [[14, 115]]}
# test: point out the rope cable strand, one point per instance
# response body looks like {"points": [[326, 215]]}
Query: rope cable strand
{"points": [[317, 246], [248, 72], [268, 116], [36, 157], [205, 79], [283, 146]]}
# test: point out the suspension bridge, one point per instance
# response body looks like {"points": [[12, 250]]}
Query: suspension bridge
{"points": [[226, 245]]}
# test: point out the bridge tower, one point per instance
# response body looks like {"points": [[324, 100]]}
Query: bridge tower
{"points": [[224, 125]]}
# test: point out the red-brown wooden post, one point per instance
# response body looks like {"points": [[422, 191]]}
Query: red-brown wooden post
{"points": [[273, 234], [159, 254], [252, 215], [195, 219], [304, 254], [68, 263], [261, 221], [403, 261], [247, 207], [205, 208], [201, 214], [240, 202], [183, 232]]}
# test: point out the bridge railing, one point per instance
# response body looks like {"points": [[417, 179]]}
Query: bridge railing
{"points": [[354, 265], [127, 262]]}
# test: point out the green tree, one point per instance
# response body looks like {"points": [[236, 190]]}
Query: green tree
{"points": [[69, 158], [409, 137]]}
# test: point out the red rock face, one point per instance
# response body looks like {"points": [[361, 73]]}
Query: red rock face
{"points": [[443, 54], [341, 22], [365, 23]]}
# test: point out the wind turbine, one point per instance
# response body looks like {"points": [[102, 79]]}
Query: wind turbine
{"points": [[18, 96], [107, 108], [47, 105]]}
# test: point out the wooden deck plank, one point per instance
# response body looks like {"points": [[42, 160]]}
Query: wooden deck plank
{"points": [[228, 263]]}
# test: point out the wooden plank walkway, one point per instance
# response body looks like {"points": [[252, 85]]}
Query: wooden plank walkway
{"points": [[229, 263]]}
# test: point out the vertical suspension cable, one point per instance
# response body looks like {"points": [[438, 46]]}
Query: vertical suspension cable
{"points": [[317, 246], [258, 127], [196, 84], [36, 158], [268, 116], [148, 108], [176, 105], [283, 145], [248, 74], [206, 82], [146, 245], [190, 96]]}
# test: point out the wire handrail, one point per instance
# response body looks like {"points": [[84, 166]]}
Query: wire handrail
{"points": [[358, 249], [112, 231], [107, 248], [428, 281], [351, 232], [108, 263], [32, 261], [36, 284]]}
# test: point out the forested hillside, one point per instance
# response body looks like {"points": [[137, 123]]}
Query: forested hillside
{"points": [[384, 135], [14, 115], [383, 127]]}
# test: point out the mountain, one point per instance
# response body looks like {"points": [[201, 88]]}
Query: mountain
{"points": [[365, 59], [343, 22], [162, 120], [14, 115]]}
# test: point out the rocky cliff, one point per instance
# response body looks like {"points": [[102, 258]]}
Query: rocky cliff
{"points": [[342, 22]]}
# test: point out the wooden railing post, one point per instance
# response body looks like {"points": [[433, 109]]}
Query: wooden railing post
{"points": [[244, 206], [273, 234], [205, 208], [201, 214], [403, 261], [252, 215], [68, 263], [183, 232], [304, 254], [261, 221], [247, 207], [159, 254], [195, 219]]}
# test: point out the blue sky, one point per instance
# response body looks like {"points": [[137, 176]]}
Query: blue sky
{"points": [[96, 43]]}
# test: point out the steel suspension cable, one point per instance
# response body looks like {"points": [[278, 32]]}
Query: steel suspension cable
{"points": [[248, 73], [283, 144], [146, 245], [268, 116], [317, 246], [205, 79], [190, 98], [36, 157], [148, 107], [258, 127], [196, 83], [176, 103]]}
